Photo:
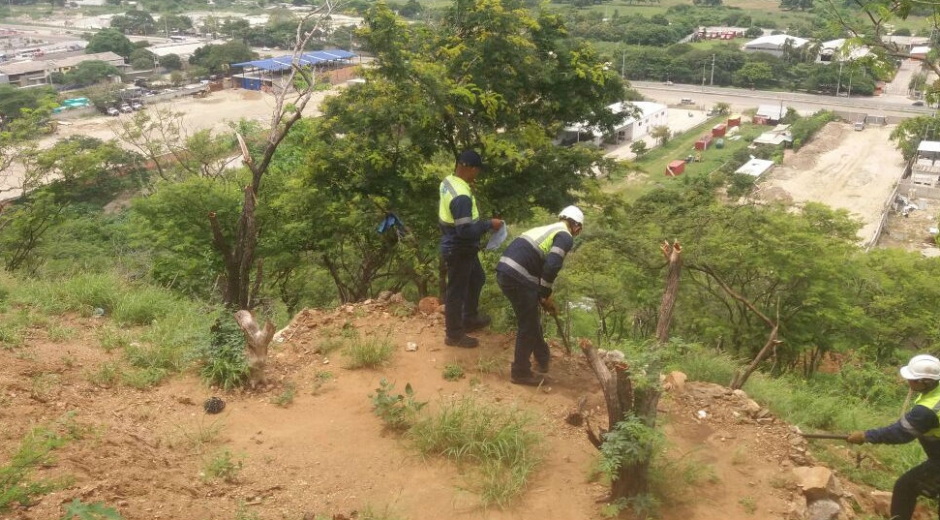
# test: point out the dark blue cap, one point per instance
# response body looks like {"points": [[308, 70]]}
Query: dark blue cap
{"points": [[469, 158]]}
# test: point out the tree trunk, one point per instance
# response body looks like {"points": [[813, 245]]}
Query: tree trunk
{"points": [[257, 347], [632, 478], [740, 378]]}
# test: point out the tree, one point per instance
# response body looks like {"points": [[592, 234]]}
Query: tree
{"points": [[110, 40], [911, 131], [14, 100], [661, 134], [754, 74], [216, 58], [753, 32], [142, 59], [723, 108], [638, 148], [171, 62], [174, 23], [134, 22], [91, 72]]}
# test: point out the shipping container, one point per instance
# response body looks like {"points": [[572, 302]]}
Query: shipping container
{"points": [[703, 142], [719, 130], [675, 168], [734, 121]]}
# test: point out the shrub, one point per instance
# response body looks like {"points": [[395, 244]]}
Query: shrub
{"points": [[399, 411], [34, 451], [370, 353], [223, 466], [453, 372]]}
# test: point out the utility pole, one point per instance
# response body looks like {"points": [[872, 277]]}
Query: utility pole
{"points": [[703, 77], [839, 83], [711, 82]]}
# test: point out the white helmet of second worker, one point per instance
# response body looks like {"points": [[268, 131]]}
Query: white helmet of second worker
{"points": [[572, 213], [922, 366]]}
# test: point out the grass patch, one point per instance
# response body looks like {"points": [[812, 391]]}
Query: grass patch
{"points": [[497, 444], [320, 380], [35, 450], [199, 436], [59, 333], [224, 466], [453, 372], [111, 338], [106, 376], [370, 513], [286, 397], [371, 353], [489, 365]]}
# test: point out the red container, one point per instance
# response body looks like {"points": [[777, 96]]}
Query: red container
{"points": [[675, 168], [719, 130], [734, 121], [702, 144]]}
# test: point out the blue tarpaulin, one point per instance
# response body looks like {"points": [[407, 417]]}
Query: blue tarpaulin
{"points": [[305, 59]]}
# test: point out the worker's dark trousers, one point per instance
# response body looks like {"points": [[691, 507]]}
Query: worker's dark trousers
{"points": [[529, 339], [465, 280], [923, 479]]}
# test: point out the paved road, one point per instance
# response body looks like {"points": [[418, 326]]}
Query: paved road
{"points": [[740, 99]]}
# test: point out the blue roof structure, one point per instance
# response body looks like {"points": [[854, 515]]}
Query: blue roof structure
{"points": [[305, 59]]}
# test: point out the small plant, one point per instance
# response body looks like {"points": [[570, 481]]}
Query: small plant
{"points": [[34, 451], [223, 466], [96, 511], [749, 505], [321, 379], [329, 345], [740, 455], [43, 387], [368, 513], [224, 362], [243, 513], [143, 378], [59, 333], [399, 411], [111, 338], [369, 354], [453, 372], [202, 435], [106, 376], [488, 365], [286, 397]]}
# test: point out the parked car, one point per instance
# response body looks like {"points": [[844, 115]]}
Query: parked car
{"points": [[137, 105], [126, 108], [668, 83], [918, 103], [113, 111], [686, 101]]}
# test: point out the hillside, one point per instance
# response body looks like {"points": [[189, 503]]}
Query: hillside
{"points": [[324, 454]]}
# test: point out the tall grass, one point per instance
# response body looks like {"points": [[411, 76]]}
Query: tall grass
{"points": [[498, 443], [370, 353]]}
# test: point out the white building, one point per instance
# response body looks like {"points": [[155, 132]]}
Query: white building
{"points": [[838, 50], [925, 171], [755, 167], [629, 129], [774, 44]]}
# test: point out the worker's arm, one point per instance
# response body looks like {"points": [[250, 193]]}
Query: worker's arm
{"points": [[914, 424], [467, 228], [555, 258]]}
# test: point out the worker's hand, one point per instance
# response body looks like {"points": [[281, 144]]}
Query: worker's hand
{"points": [[548, 304], [856, 438], [496, 223]]}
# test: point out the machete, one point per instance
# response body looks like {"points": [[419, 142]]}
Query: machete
{"points": [[839, 436]]}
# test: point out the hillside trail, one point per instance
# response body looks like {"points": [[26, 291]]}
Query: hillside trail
{"points": [[144, 452]]}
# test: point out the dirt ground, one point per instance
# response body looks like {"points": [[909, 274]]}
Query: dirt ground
{"points": [[144, 452], [841, 168]]}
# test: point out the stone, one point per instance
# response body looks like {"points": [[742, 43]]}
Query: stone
{"points": [[824, 509], [411, 346], [675, 382], [384, 296], [817, 482], [740, 394], [751, 407], [429, 305], [796, 510], [397, 298], [881, 502]]}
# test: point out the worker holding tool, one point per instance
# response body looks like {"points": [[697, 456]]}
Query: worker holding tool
{"points": [[525, 274], [921, 422], [461, 229]]}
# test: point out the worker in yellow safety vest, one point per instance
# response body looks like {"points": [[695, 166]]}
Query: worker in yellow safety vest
{"points": [[525, 273], [461, 229], [922, 373]]}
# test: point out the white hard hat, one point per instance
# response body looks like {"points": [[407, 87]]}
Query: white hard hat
{"points": [[922, 366], [573, 213]]}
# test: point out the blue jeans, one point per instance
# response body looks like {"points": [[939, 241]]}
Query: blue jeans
{"points": [[529, 338], [465, 280]]}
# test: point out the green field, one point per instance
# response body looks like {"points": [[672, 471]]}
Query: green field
{"points": [[653, 164]]}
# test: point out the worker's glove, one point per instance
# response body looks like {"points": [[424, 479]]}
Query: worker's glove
{"points": [[548, 305], [496, 223], [856, 438]]}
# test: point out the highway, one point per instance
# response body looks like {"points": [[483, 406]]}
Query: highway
{"points": [[896, 106]]}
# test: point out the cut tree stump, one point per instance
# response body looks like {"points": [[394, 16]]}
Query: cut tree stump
{"points": [[257, 347]]}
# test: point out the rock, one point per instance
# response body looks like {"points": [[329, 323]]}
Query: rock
{"points": [[368, 302], [796, 440], [184, 400], [881, 502], [675, 382], [824, 509], [429, 305], [397, 298], [796, 510], [384, 296], [763, 413], [411, 346], [707, 390], [575, 418], [817, 482], [615, 356], [751, 407], [741, 394]]}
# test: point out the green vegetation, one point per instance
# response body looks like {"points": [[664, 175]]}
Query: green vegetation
{"points": [[224, 466], [453, 372], [286, 397], [78, 510], [397, 411], [370, 353], [35, 450]]}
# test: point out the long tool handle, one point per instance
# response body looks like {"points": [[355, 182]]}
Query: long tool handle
{"points": [[839, 436], [562, 332]]}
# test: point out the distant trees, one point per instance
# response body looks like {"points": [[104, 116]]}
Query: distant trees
{"points": [[13, 101], [110, 40], [174, 23], [217, 58], [91, 72], [638, 148], [755, 74], [753, 32], [801, 5], [171, 62], [707, 3], [134, 22], [661, 134], [142, 59]]}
